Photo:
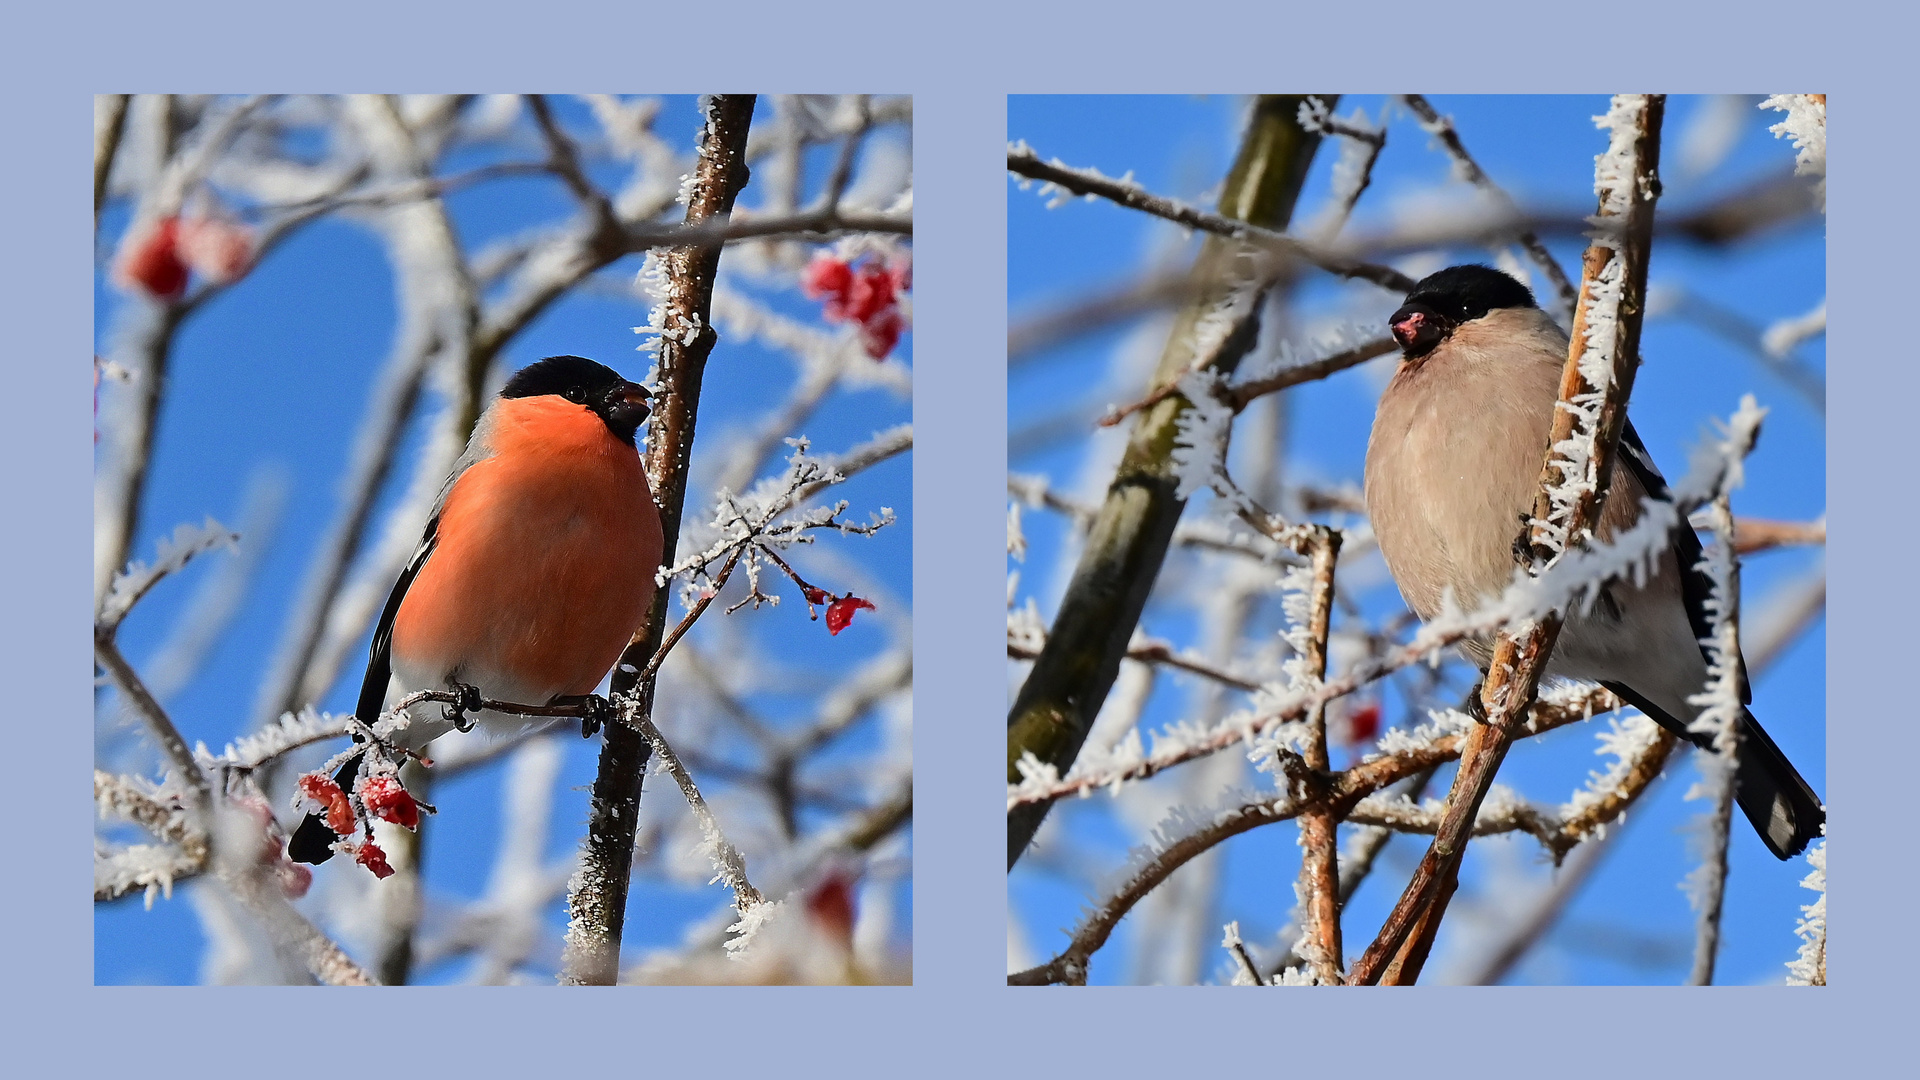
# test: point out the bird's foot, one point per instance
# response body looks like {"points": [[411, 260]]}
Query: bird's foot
{"points": [[596, 712], [1474, 706], [469, 703]]}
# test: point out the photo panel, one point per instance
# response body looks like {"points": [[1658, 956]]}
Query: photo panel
{"points": [[1354, 633], [434, 432]]}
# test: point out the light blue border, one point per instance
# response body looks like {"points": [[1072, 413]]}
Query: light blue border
{"points": [[958, 62]]}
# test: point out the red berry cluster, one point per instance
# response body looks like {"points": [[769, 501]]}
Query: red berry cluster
{"points": [[867, 293], [156, 257], [383, 797]]}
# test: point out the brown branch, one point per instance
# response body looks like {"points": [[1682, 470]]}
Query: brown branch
{"points": [[109, 123], [1760, 534], [1400, 950], [1320, 865], [107, 651], [1354, 868], [1159, 652], [597, 903]]}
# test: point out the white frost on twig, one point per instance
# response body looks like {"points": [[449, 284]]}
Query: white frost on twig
{"points": [[1625, 740], [1809, 968], [290, 732], [173, 553], [1615, 175], [150, 868], [1200, 435], [754, 918], [1806, 125], [1780, 338]]}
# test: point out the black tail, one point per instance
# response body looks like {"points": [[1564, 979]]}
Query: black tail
{"points": [[1783, 808], [313, 841], [1776, 799]]}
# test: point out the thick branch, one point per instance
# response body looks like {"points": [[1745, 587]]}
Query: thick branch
{"points": [[1128, 540], [1573, 482]]}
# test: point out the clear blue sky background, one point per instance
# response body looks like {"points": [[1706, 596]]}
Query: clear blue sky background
{"points": [[1632, 923], [275, 375]]}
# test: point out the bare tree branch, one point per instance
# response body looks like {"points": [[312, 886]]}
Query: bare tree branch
{"points": [[597, 902]]}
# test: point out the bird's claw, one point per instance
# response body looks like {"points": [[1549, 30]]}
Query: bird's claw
{"points": [[596, 713], [470, 702]]}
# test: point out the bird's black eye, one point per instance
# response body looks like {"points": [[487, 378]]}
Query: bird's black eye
{"points": [[576, 395]]}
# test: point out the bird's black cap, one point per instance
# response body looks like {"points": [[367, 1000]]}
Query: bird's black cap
{"points": [[621, 404], [1466, 292], [1441, 302]]}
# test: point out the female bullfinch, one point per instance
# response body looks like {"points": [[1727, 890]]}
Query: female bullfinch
{"points": [[536, 568], [1452, 468]]}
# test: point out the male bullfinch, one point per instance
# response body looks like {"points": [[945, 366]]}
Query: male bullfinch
{"points": [[537, 565], [1453, 465]]}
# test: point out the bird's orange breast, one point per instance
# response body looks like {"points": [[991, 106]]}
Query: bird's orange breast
{"points": [[545, 557]]}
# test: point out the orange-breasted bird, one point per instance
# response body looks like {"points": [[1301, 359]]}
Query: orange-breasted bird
{"points": [[536, 568]]}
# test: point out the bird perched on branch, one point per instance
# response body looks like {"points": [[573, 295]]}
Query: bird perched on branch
{"points": [[536, 568], [1453, 467]]}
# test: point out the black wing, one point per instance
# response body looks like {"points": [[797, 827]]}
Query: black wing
{"points": [[1696, 586], [373, 689]]}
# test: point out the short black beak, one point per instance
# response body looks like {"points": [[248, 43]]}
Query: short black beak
{"points": [[635, 400], [625, 408], [1417, 328]]}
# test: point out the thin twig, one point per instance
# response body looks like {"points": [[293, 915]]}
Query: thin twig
{"points": [[109, 123], [1159, 652], [1318, 114], [107, 651], [1240, 395], [1023, 161], [1441, 127], [726, 858], [1725, 679]]}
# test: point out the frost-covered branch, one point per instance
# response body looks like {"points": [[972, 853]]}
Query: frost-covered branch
{"points": [[1809, 967], [1806, 126], [1720, 702], [173, 554], [143, 866], [728, 864], [1359, 150], [1576, 578], [1188, 833], [596, 901], [1595, 385]]}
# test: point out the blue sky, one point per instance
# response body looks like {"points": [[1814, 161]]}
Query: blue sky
{"points": [[1631, 924]]}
